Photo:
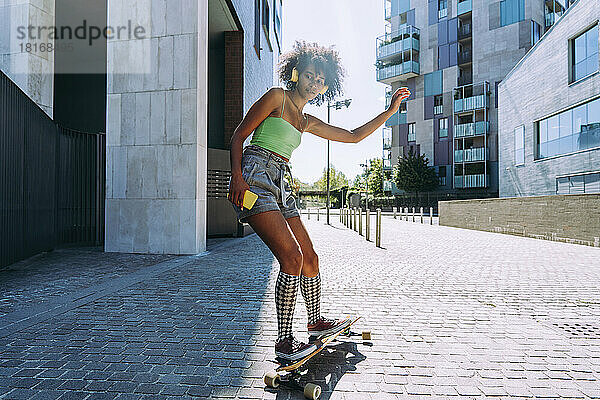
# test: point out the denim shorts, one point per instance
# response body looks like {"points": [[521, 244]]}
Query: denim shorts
{"points": [[269, 176]]}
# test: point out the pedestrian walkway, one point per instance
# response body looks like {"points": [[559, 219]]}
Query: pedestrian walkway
{"points": [[453, 313]]}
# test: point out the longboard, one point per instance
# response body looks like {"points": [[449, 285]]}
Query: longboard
{"points": [[311, 391]]}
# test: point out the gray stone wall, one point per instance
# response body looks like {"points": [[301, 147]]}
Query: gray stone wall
{"points": [[157, 129], [32, 71], [537, 88], [567, 218]]}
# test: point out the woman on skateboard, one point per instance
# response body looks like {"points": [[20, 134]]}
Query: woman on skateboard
{"points": [[312, 74]]}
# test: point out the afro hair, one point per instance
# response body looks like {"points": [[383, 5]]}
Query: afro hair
{"points": [[326, 60]]}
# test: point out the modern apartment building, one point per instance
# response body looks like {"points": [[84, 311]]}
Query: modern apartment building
{"points": [[549, 111], [452, 55]]}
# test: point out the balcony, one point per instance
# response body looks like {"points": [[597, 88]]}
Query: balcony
{"points": [[464, 31], [470, 181], [464, 7], [443, 13], [394, 44], [471, 129], [397, 72], [387, 139], [471, 103], [387, 164], [465, 56], [438, 109], [470, 155], [396, 119]]}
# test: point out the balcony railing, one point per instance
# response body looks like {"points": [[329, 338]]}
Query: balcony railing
{"points": [[470, 181], [405, 70], [387, 143], [470, 103], [438, 109], [443, 132], [390, 44], [464, 31], [464, 7], [443, 13], [465, 56], [469, 155], [471, 129], [387, 163]]}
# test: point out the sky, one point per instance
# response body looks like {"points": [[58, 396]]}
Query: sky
{"points": [[352, 26]]}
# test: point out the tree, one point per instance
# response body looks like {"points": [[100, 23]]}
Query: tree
{"points": [[376, 177], [414, 175], [336, 179]]}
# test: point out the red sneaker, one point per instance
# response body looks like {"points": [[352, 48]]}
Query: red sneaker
{"points": [[326, 326], [292, 350]]}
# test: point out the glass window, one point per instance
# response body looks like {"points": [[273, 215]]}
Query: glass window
{"points": [[544, 131], [564, 123], [593, 112], [553, 128], [579, 118], [585, 54], [411, 132], [433, 83], [511, 11], [592, 183]]}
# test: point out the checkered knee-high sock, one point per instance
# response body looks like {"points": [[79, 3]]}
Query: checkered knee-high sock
{"points": [[285, 302], [311, 292]]}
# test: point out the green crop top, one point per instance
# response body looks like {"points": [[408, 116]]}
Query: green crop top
{"points": [[277, 135]]}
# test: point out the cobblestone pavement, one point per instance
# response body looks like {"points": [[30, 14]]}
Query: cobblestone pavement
{"points": [[454, 314]]}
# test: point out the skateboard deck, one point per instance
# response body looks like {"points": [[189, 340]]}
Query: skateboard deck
{"points": [[291, 378]]}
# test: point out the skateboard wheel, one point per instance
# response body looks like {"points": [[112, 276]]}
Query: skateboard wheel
{"points": [[366, 335], [312, 391], [272, 379]]}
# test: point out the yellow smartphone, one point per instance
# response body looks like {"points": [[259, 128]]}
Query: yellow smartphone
{"points": [[249, 199]]}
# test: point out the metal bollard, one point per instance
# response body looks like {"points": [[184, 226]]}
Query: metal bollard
{"points": [[360, 221], [394, 209], [368, 225], [318, 213], [405, 214], [430, 215], [378, 229], [421, 211], [413, 214], [308, 213], [355, 217], [351, 217]]}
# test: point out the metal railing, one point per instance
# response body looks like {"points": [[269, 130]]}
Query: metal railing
{"points": [[52, 180], [464, 31], [469, 181], [470, 103], [469, 155], [438, 109], [443, 13], [396, 70], [471, 129], [465, 56]]}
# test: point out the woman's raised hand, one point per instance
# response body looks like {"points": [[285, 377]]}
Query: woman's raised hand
{"points": [[237, 189], [398, 97]]}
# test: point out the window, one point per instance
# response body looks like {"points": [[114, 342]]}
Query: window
{"points": [[277, 21], [511, 11], [443, 127], [583, 183], [438, 104], [584, 54], [266, 22], [520, 145], [535, 32], [442, 175], [442, 9], [572, 130], [412, 136], [257, 27]]}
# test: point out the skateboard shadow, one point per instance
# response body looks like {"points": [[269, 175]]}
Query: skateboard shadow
{"points": [[326, 369]]}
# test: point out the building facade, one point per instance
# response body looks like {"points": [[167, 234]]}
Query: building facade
{"points": [[173, 102], [452, 55], [549, 111]]}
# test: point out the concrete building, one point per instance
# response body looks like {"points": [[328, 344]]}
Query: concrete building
{"points": [[174, 100], [452, 55], [168, 84], [549, 111]]}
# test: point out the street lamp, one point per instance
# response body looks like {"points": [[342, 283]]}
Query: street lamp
{"points": [[337, 105]]}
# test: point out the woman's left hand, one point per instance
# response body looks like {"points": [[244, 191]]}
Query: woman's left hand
{"points": [[398, 97]]}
